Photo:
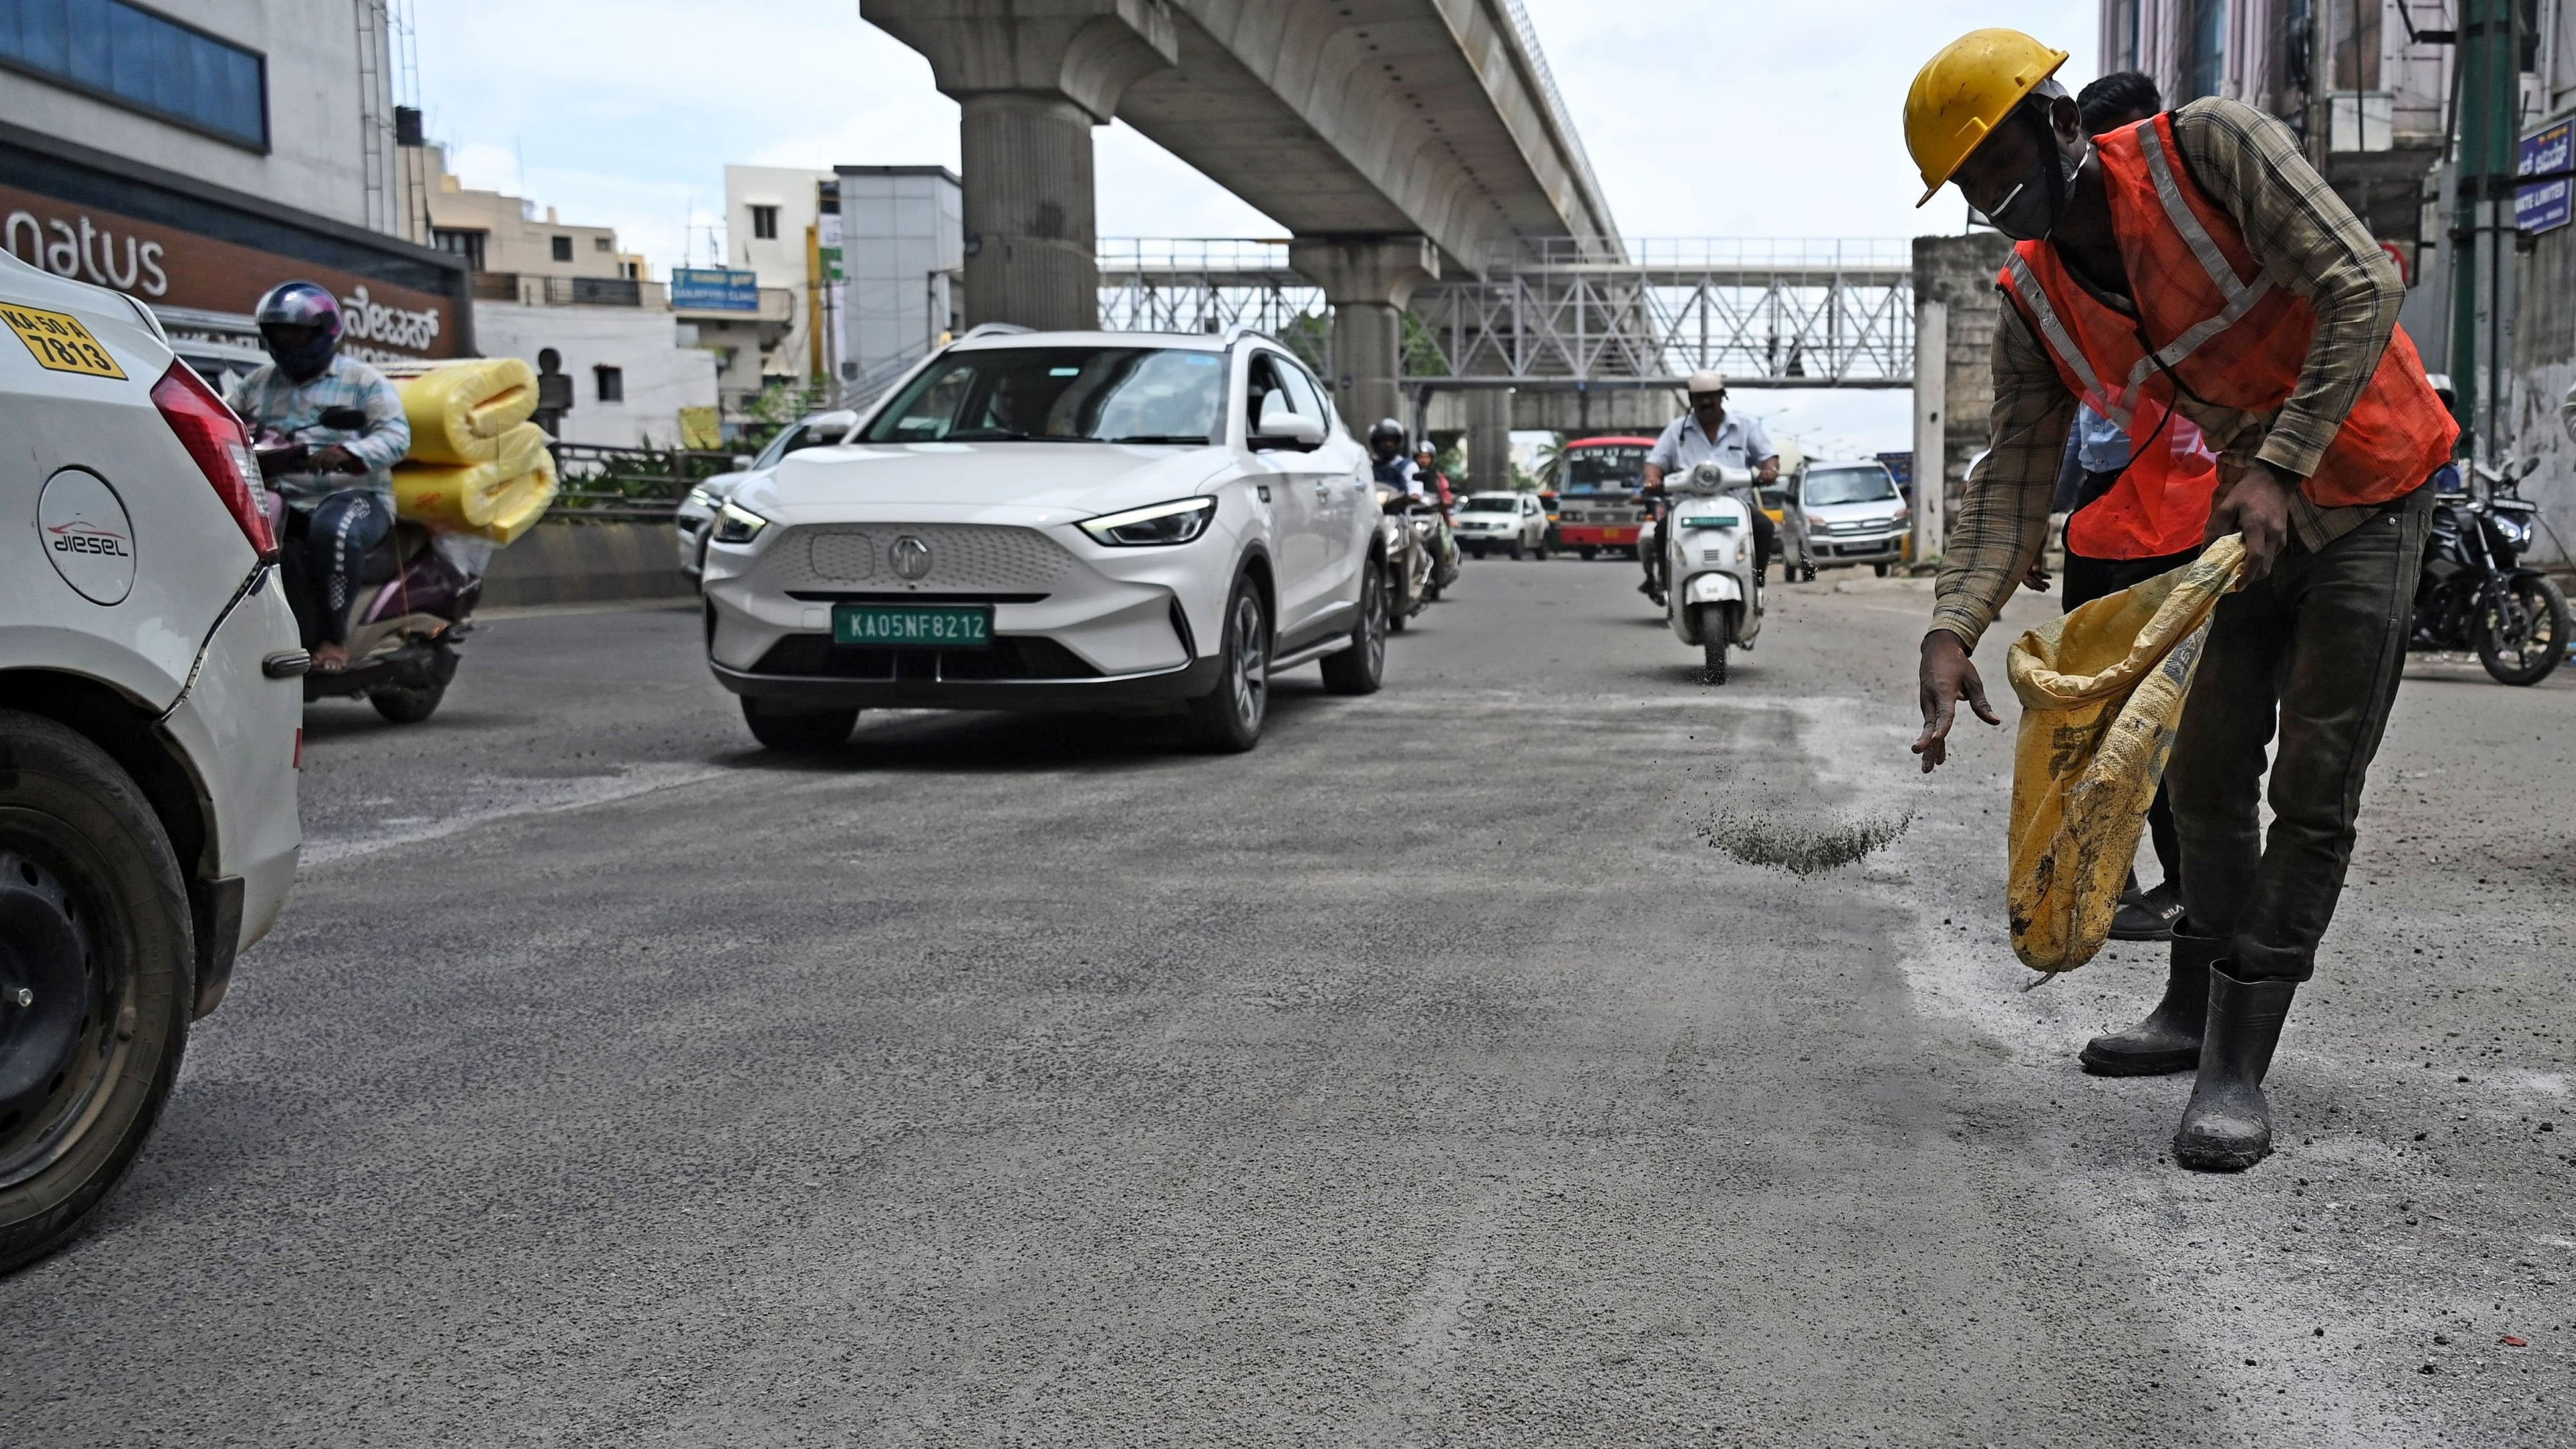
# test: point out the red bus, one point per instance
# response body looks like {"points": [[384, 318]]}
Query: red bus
{"points": [[1596, 488]]}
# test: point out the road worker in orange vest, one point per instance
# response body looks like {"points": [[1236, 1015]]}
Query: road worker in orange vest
{"points": [[2194, 265]]}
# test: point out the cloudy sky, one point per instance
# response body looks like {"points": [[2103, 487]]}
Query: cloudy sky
{"points": [[1702, 118]]}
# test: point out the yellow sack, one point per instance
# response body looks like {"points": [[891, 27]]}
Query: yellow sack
{"points": [[460, 411], [468, 497], [2101, 690]]}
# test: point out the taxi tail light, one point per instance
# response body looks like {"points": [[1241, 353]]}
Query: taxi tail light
{"points": [[221, 448]]}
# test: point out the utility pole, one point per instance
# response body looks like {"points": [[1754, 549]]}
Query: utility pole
{"points": [[2490, 61]]}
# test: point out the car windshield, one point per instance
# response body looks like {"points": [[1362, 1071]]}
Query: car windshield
{"points": [[1060, 394], [1494, 503], [799, 438], [1828, 486]]}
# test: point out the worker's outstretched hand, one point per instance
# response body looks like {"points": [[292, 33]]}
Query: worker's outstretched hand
{"points": [[2258, 506], [1948, 675]]}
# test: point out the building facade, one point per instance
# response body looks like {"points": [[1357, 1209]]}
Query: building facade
{"points": [[2370, 97], [194, 153], [567, 299]]}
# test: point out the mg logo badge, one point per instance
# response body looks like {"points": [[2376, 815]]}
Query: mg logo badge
{"points": [[911, 558]]}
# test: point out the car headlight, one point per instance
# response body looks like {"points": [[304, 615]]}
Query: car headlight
{"points": [[737, 524], [699, 497], [1154, 525]]}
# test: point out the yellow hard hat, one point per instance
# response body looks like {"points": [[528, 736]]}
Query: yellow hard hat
{"points": [[1965, 92]]}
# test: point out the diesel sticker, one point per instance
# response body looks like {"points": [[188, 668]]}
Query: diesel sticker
{"points": [[87, 536], [60, 342]]}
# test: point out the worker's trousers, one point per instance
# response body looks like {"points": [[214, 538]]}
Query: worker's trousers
{"points": [[2316, 648]]}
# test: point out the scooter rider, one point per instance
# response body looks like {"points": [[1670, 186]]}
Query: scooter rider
{"points": [[1708, 432], [340, 498]]}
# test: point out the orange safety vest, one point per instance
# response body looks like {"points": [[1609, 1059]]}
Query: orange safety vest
{"points": [[2224, 334]]}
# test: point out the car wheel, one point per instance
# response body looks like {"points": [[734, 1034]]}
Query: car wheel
{"points": [[1361, 668], [1882, 569], [1228, 717], [798, 731], [1587, 552], [96, 966], [1518, 553]]}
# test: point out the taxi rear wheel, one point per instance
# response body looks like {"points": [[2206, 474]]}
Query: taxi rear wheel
{"points": [[96, 965]]}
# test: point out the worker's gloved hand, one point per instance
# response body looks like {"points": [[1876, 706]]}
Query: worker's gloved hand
{"points": [[1946, 677], [2258, 506]]}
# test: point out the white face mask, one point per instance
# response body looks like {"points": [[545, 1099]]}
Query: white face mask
{"points": [[2029, 211]]}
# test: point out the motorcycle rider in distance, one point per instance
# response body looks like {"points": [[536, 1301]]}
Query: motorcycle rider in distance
{"points": [[1426, 466], [340, 494], [1394, 470], [1386, 456], [1708, 432]]}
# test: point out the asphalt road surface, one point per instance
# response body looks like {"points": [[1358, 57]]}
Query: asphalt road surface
{"points": [[1433, 1075]]}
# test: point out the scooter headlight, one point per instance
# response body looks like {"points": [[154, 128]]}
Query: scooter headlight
{"points": [[2515, 531]]}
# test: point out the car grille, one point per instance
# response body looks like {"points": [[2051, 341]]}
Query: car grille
{"points": [[1010, 657], [964, 558]]}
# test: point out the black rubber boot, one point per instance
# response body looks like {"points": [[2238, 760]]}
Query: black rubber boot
{"points": [[2169, 1039], [2228, 1126]]}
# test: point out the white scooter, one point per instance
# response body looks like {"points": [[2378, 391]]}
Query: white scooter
{"points": [[1712, 591]]}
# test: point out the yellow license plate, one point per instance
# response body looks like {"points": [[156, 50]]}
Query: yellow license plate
{"points": [[60, 342]]}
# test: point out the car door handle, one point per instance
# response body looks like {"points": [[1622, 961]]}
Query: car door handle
{"points": [[1323, 488]]}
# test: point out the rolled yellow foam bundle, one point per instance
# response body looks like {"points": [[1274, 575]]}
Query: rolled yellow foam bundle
{"points": [[460, 411], [499, 498]]}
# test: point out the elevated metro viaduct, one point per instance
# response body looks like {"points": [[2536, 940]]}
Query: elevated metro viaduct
{"points": [[1397, 140]]}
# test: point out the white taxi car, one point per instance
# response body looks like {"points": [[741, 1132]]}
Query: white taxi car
{"points": [[150, 716], [1056, 521], [1513, 523]]}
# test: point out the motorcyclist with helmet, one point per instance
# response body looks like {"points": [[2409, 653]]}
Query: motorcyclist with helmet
{"points": [[1394, 470], [331, 429]]}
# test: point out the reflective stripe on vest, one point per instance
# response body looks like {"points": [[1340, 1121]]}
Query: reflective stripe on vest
{"points": [[2244, 335], [2018, 276]]}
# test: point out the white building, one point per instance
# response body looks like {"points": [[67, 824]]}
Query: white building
{"points": [[872, 256], [903, 254], [632, 377]]}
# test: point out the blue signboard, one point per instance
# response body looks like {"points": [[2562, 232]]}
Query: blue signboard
{"points": [[2544, 207], [714, 289]]}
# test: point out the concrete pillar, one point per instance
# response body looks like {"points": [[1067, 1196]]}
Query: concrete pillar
{"points": [[1959, 273], [1931, 406], [1368, 281], [1031, 78], [1489, 439]]}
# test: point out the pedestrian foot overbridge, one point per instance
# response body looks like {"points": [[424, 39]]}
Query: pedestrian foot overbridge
{"points": [[1399, 141], [1552, 334]]}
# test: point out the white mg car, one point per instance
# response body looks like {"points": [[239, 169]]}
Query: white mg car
{"points": [[150, 716], [1055, 521]]}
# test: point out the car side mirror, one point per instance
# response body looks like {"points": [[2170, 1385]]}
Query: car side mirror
{"points": [[1282, 428], [742, 462]]}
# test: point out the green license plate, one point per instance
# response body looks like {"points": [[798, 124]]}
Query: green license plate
{"points": [[921, 628]]}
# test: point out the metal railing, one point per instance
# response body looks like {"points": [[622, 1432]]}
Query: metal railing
{"points": [[535, 291], [629, 485], [1527, 34]]}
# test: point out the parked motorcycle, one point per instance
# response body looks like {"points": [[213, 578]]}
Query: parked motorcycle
{"points": [[1712, 590], [2474, 592], [1409, 540], [414, 603]]}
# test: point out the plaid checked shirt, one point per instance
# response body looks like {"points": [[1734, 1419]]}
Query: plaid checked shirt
{"points": [[267, 400], [2307, 240]]}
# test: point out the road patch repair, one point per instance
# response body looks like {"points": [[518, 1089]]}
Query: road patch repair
{"points": [[1800, 847]]}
